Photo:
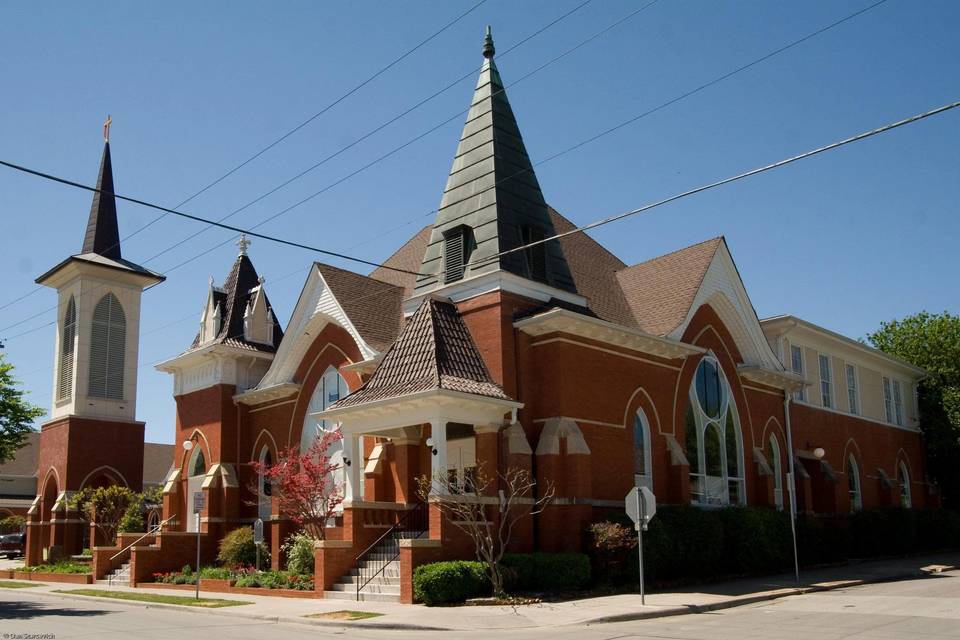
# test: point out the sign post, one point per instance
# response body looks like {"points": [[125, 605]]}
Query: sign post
{"points": [[641, 506], [197, 508], [258, 538]]}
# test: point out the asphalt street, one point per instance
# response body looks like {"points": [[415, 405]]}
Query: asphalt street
{"points": [[919, 608]]}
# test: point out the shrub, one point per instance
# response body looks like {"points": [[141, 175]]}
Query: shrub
{"points": [[216, 573], [237, 548], [299, 549], [546, 571], [274, 580], [612, 550], [937, 529], [132, 520], [450, 582], [882, 532], [755, 540], [64, 566]]}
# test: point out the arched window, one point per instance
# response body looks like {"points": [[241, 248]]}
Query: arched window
{"points": [[903, 479], [774, 451], [331, 388], [107, 349], [68, 339], [264, 489], [642, 468], [853, 484], [198, 465], [713, 439]]}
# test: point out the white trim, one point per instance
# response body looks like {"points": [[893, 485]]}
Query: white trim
{"points": [[857, 417], [478, 285], [565, 321], [783, 324], [584, 421], [601, 349]]}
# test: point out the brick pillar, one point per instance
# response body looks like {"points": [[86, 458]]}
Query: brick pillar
{"points": [[405, 469], [488, 454]]}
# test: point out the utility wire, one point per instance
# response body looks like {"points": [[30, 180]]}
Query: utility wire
{"points": [[365, 136], [289, 133], [640, 116], [740, 176], [417, 138]]}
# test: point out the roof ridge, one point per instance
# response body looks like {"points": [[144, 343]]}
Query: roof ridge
{"points": [[324, 265], [718, 239]]}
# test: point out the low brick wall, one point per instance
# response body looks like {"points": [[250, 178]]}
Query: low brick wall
{"points": [[414, 553], [331, 559], [173, 550], [226, 586], [69, 578], [6, 573]]}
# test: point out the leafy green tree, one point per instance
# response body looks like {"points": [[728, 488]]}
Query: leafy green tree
{"points": [[16, 414], [105, 507], [932, 341]]}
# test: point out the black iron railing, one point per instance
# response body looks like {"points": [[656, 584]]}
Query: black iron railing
{"points": [[375, 559]]}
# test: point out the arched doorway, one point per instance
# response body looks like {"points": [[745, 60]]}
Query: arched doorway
{"points": [[196, 472]]}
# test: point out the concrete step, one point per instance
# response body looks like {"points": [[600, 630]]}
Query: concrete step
{"points": [[364, 596], [352, 582], [393, 589], [386, 573]]}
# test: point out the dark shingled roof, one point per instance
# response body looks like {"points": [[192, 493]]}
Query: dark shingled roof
{"points": [[407, 258], [103, 235], [157, 460], [24, 462], [493, 190], [661, 291], [373, 306], [233, 298], [434, 351]]}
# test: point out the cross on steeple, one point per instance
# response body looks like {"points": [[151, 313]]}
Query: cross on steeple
{"points": [[106, 129], [243, 243]]}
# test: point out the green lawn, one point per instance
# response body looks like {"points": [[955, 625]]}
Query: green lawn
{"points": [[210, 603], [345, 615], [14, 584]]}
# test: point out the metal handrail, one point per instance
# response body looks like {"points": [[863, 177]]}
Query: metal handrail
{"points": [[415, 516], [155, 528]]}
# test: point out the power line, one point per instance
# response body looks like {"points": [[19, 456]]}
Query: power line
{"points": [[289, 133], [365, 136], [419, 137], [219, 223], [640, 116], [740, 176]]}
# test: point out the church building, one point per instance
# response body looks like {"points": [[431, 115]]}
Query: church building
{"points": [[472, 348]]}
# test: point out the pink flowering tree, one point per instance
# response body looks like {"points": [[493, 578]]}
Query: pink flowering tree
{"points": [[305, 484]]}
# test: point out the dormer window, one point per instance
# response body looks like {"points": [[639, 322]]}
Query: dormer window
{"points": [[456, 253]]}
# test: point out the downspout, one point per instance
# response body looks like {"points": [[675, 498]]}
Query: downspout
{"points": [[793, 484]]}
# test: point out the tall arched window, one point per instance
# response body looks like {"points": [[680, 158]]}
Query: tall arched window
{"points": [[903, 479], [264, 489], [713, 439], [196, 471], [853, 484], [108, 340], [774, 450], [198, 464], [642, 468], [68, 339], [331, 388]]}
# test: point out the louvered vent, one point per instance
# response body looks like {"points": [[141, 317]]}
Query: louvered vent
{"points": [[107, 349], [456, 245], [67, 345], [536, 255]]}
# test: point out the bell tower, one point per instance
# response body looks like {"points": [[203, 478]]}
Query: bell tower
{"points": [[92, 437]]}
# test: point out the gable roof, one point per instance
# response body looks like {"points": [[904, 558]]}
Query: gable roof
{"points": [[373, 306], [232, 298], [493, 191], [24, 462], [157, 460], [661, 291], [407, 258], [434, 351]]}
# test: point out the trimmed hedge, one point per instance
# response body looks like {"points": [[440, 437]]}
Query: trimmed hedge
{"points": [[450, 582], [546, 571], [686, 543], [459, 580]]}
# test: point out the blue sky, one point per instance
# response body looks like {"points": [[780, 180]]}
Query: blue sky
{"points": [[848, 239]]}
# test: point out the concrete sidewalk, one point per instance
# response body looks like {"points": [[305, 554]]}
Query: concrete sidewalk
{"points": [[552, 614]]}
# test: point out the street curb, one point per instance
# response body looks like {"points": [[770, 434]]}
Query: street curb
{"points": [[762, 597], [624, 617]]}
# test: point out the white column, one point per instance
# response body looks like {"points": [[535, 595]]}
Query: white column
{"points": [[352, 473], [438, 467]]}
